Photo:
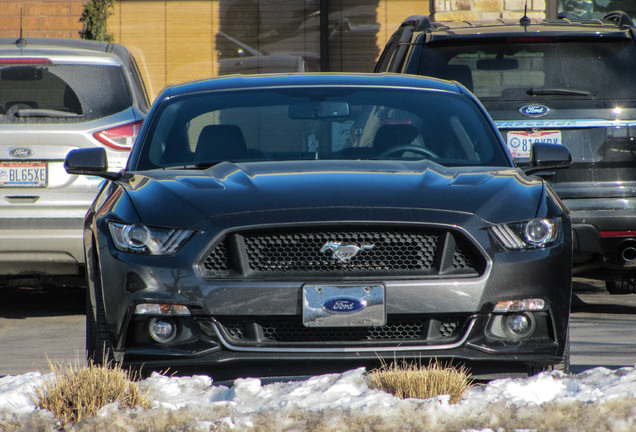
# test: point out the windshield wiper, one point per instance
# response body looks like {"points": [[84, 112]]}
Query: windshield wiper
{"points": [[190, 166], [205, 165], [557, 91], [33, 112]]}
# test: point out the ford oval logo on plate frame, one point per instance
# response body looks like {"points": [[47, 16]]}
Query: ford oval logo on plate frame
{"points": [[343, 305], [21, 152], [534, 110]]}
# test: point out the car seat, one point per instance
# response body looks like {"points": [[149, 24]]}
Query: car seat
{"points": [[221, 143]]}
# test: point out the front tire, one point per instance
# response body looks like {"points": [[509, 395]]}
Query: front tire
{"points": [[564, 366], [98, 348], [622, 286]]}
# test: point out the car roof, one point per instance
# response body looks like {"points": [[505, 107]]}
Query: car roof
{"points": [[65, 50], [312, 79], [614, 26]]}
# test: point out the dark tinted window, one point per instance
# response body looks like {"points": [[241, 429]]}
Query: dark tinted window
{"points": [[320, 123], [42, 93], [510, 70]]}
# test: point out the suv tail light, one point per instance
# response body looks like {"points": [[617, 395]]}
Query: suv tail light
{"points": [[120, 137]]}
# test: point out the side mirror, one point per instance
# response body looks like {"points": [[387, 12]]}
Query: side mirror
{"points": [[548, 156], [89, 161]]}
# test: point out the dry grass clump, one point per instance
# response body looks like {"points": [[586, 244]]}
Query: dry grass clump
{"points": [[406, 380], [77, 392]]}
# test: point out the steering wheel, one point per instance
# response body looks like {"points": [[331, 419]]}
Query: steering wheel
{"points": [[410, 148]]}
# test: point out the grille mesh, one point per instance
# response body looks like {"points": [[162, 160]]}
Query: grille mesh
{"points": [[216, 264], [390, 251], [301, 251], [286, 330]]}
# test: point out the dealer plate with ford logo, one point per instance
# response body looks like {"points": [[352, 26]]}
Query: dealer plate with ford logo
{"points": [[29, 174], [343, 305], [520, 142]]}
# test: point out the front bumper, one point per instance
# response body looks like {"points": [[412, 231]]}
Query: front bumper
{"points": [[231, 327], [472, 350]]}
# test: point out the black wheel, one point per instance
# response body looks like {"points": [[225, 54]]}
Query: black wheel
{"points": [[98, 348], [564, 366], [623, 286], [90, 330]]}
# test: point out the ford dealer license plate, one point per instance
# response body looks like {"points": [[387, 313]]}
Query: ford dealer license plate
{"points": [[520, 142], [343, 306], [23, 174]]}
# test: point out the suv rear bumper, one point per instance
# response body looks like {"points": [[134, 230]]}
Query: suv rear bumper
{"points": [[604, 243], [41, 251]]}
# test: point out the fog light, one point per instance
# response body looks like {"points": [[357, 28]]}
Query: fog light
{"points": [[519, 325], [162, 330]]}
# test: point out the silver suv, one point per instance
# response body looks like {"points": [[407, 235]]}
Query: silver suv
{"points": [[57, 95]]}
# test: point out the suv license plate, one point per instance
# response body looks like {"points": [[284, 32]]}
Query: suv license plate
{"points": [[23, 174], [520, 142], [343, 305]]}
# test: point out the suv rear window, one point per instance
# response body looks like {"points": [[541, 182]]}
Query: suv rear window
{"points": [[36, 93], [513, 69]]}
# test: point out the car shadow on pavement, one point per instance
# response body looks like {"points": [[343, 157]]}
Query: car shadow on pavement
{"points": [[608, 307], [590, 296], [20, 303]]}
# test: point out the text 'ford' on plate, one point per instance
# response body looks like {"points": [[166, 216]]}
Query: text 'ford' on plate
{"points": [[343, 305]]}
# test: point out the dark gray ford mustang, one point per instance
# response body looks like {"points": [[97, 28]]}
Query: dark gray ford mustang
{"points": [[307, 223]]}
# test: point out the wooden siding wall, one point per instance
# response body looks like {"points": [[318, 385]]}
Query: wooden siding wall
{"points": [[171, 40], [41, 18], [174, 40]]}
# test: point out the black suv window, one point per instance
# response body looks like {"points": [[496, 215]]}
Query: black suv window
{"points": [[519, 70], [46, 93]]}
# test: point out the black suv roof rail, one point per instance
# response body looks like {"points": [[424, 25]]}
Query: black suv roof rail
{"points": [[418, 22], [620, 18], [424, 22]]}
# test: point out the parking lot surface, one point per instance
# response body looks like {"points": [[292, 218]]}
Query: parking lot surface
{"points": [[37, 325]]}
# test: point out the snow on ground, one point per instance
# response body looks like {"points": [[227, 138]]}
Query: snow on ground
{"points": [[599, 399]]}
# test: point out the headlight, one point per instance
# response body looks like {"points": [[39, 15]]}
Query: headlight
{"points": [[148, 241], [532, 234]]}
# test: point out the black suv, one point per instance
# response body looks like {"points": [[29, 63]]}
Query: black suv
{"points": [[563, 81]]}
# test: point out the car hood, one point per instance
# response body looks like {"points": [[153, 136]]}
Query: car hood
{"points": [[337, 190]]}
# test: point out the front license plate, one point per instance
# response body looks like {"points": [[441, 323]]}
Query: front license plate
{"points": [[23, 174], [520, 142], [343, 305]]}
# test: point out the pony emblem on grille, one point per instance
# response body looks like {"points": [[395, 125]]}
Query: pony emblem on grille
{"points": [[344, 252]]}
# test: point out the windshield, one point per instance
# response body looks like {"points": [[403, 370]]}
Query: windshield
{"points": [[520, 69], [319, 123], [49, 93]]}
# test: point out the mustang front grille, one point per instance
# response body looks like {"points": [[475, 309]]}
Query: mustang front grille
{"points": [[273, 331], [384, 251]]}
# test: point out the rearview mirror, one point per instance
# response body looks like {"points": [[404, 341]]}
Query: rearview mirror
{"points": [[319, 110]]}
